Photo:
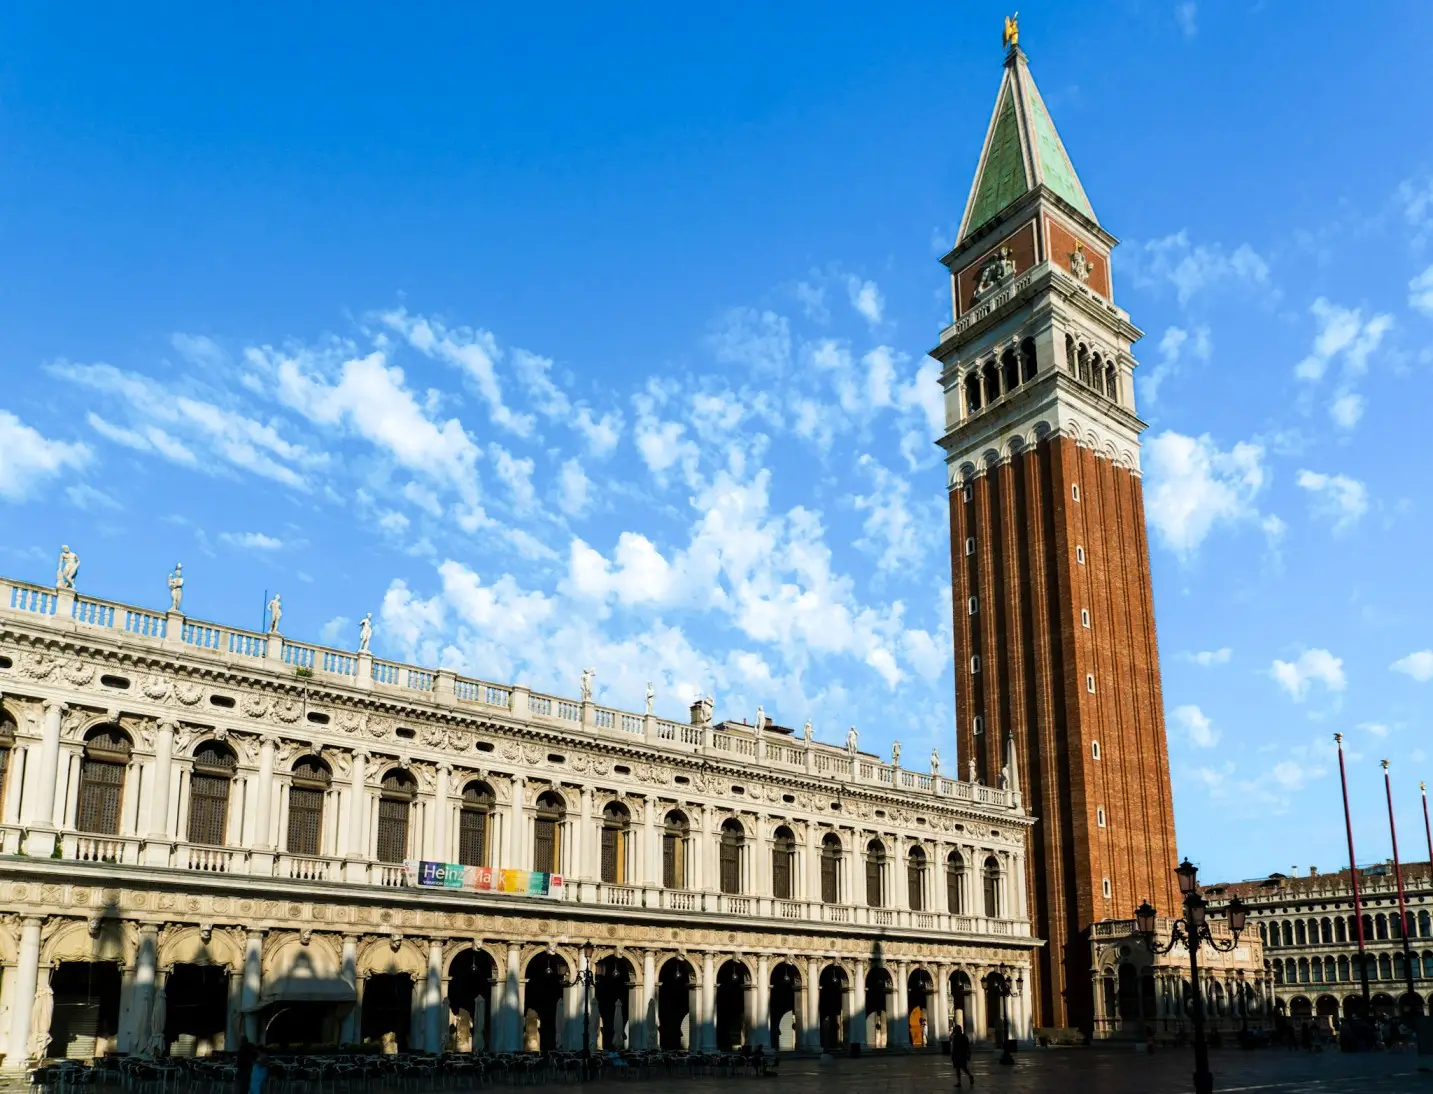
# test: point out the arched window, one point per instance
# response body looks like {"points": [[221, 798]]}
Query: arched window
{"points": [[972, 392], [1425, 924], [1300, 935], [1303, 970], [1027, 360], [1070, 354], [214, 764], [106, 758], [830, 868], [1326, 929], [1288, 933], [992, 382], [311, 780], [954, 882], [547, 833], [1097, 372], [616, 832], [875, 873], [1367, 927], [475, 816], [1318, 970], [1395, 925], [1009, 369], [7, 745], [992, 888], [733, 838], [1340, 929], [395, 806], [1263, 934], [783, 861], [1291, 972], [675, 834], [915, 879], [1385, 967], [1343, 968], [1112, 389], [1278, 972], [1380, 925], [1082, 355]]}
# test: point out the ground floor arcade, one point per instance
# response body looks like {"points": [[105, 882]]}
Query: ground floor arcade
{"points": [[158, 973]]}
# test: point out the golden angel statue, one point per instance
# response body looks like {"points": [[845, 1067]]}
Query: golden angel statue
{"points": [[1011, 38]]}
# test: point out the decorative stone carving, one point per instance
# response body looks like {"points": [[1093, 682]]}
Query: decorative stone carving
{"points": [[68, 569], [39, 665], [1080, 266], [276, 612], [79, 673], [188, 694], [176, 586], [288, 711], [255, 706], [994, 272]]}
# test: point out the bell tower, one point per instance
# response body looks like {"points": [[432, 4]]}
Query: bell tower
{"points": [[1056, 663]]}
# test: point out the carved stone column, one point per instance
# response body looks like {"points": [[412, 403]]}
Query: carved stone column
{"points": [[40, 839], [856, 1008], [898, 1025], [647, 1022], [356, 868], [517, 828], [940, 1026], [349, 972], [706, 1038], [761, 1010], [253, 983], [440, 813], [436, 1022], [145, 962], [22, 1005], [811, 995], [263, 857]]}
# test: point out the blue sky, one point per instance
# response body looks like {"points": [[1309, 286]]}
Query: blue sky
{"points": [[597, 337]]}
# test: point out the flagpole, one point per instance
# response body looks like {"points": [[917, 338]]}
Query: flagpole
{"points": [[1427, 831], [1398, 873], [1353, 878]]}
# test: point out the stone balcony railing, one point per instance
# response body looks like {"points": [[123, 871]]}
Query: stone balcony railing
{"points": [[239, 648], [246, 867]]}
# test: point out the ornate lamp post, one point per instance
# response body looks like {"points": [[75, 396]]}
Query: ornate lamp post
{"points": [[1193, 931], [998, 980], [585, 979]]}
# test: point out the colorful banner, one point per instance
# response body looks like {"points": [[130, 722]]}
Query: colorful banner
{"points": [[484, 879]]}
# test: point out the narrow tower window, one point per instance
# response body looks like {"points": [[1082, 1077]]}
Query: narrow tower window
{"points": [[1080, 555], [1090, 682], [1075, 491], [1100, 816], [972, 605], [975, 664], [978, 725], [1084, 617], [1095, 749], [970, 545], [1107, 888], [965, 494]]}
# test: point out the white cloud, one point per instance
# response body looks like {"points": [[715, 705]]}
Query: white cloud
{"points": [[1418, 665], [251, 541], [1417, 200], [1193, 269], [866, 299], [1377, 729], [1208, 658], [1337, 497], [1420, 292], [244, 442], [894, 536], [1312, 666], [812, 299], [1187, 16], [370, 398], [200, 350], [573, 488], [1174, 346], [1197, 726], [28, 459], [473, 351], [1342, 335], [760, 340], [516, 475], [1194, 485], [535, 372], [84, 496], [333, 631]]}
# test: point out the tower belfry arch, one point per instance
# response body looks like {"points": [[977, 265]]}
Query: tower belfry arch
{"points": [[1057, 667]]}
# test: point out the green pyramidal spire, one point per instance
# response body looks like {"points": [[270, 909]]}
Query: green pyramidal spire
{"points": [[1022, 150]]}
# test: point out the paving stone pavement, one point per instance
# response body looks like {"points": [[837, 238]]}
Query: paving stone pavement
{"points": [[1082, 1071]]}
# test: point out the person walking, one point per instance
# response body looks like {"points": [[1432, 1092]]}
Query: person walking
{"points": [[960, 1055], [259, 1077]]}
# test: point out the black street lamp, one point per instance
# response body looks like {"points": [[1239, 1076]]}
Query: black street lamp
{"points": [[585, 979], [999, 981], [1193, 930]]}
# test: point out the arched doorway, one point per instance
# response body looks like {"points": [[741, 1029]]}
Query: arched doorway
{"points": [[470, 1001], [878, 994], [85, 1019], [1382, 1005], [196, 1009], [542, 1003], [674, 1005], [1300, 1008], [960, 1013], [1352, 1006], [1410, 1005], [387, 1012], [1326, 1006], [732, 981], [994, 1007], [830, 1007], [919, 993], [784, 1009], [612, 985]]}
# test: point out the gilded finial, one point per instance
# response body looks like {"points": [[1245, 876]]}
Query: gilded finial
{"points": [[1012, 31], [1384, 764]]}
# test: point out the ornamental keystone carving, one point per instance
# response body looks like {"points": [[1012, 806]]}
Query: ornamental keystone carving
{"points": [[79, 673], [288, 711], [188, 694]]}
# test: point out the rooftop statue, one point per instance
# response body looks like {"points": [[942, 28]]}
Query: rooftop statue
{"points": [[68, 568]]}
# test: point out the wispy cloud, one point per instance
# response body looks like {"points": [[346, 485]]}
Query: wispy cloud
{"points": [[1418, 665], [1312, 666], [251, 541], [1336, 497]]}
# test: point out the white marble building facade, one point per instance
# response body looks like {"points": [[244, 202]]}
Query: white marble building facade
{"points": [[203, 831]]}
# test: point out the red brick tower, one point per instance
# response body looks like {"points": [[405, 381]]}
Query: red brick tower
{"points": [[1056, 663]]}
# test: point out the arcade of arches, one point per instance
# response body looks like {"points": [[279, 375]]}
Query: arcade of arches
{"points": [[117, 981]]}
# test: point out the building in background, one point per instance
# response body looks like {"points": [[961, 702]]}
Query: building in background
{"points": [[206, 830], [1310, 939]]}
